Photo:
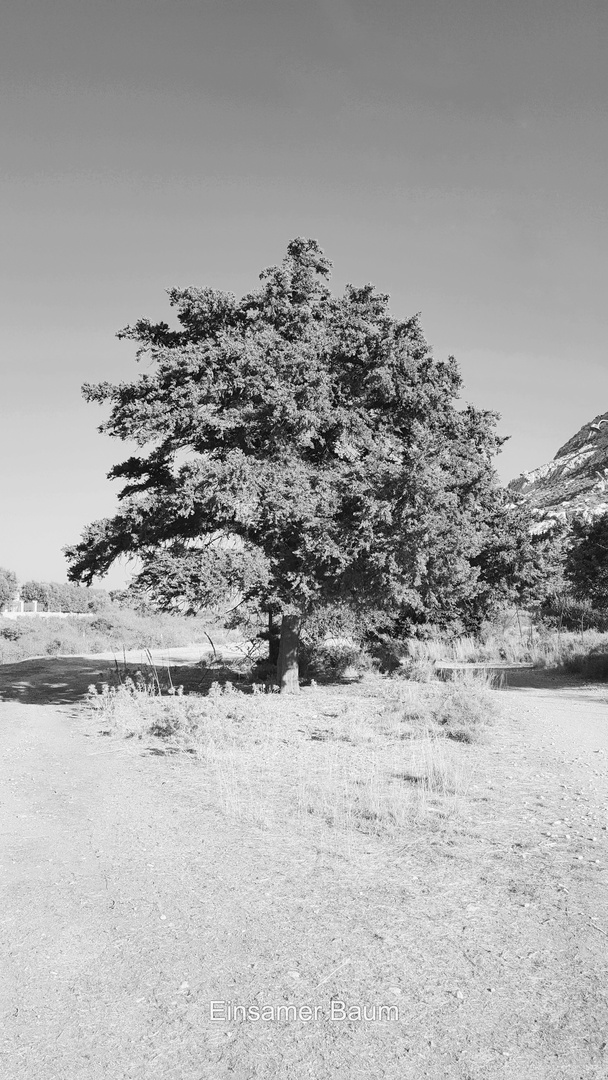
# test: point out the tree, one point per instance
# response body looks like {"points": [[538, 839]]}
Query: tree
{"points": [[62, 596], [40, 591], [301, 449], [8, 587], [522, 566], [587, 560]]}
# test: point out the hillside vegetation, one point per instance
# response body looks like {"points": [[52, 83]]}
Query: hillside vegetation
{"points": [[114, 629]]}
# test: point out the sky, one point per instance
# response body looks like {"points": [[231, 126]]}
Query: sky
{"points": [[452, 152]]}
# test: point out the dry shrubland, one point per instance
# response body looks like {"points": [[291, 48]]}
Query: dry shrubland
{"points": [[370, 757], [113, 629]]}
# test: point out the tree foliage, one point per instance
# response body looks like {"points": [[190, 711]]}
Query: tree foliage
{"points": [[587, 560], [8, 586], [300, 449], [58, 596], [540, 577]]}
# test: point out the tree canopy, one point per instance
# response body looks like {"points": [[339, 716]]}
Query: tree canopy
{"points": [[587, 560], [8, 586], [62, 596], [303, 448]]}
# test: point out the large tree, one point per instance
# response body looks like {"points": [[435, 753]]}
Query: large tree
{"points": [[302, 448]]}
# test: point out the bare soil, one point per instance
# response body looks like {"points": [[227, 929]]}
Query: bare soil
{"points": [[131, 903]]}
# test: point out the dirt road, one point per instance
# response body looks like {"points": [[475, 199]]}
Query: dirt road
{"points": [[130, 904]]}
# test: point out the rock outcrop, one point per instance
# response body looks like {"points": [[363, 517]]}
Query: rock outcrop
{"points": [[574, 484]]}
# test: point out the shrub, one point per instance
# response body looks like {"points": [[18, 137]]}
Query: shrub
{"points": [[332, 643], [458, 709], [335, 658], [564, 612], [54, 646], [13, 631], [465, 707], [105, 626]]}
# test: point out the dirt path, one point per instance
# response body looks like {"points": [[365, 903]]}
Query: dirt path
{"points": [[130, 903]]}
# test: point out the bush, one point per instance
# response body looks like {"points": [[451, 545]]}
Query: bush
{"points": [[335, 658], [565, 613], [332, 643], [54, 646], [103, 625], [465, 707], [13, 631]]}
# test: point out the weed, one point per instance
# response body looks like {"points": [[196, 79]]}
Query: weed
{"points": [[519, 643], [343, 762]]}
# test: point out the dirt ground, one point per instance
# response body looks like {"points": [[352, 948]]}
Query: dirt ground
{"points": [[473, 950]]}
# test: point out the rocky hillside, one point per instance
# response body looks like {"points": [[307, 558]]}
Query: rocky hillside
{"points": [[575, 483]]}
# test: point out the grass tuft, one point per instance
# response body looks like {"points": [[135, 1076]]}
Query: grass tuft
{"points": [[369, 759], [519, 644]]}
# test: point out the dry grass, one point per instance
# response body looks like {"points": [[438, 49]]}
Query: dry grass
{"points": [[113, 628], [368, 759], [484, 922], [510, 645]]}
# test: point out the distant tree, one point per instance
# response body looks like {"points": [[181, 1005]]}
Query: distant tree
{"points": [[64, 596], [98, 600], [8, 587], [587, 560], [541, 575], [40, 591], [303, 449]]}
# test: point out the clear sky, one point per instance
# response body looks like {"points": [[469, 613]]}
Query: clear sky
{"points": [[453, 152]]}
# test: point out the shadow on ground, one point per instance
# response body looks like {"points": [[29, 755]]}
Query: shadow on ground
{"points": [[524, 677], [52, 681], [569, 686], [65, 680]]}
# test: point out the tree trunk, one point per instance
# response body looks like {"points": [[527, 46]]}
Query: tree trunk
{"points": [[287, 666], [273, 641]]}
